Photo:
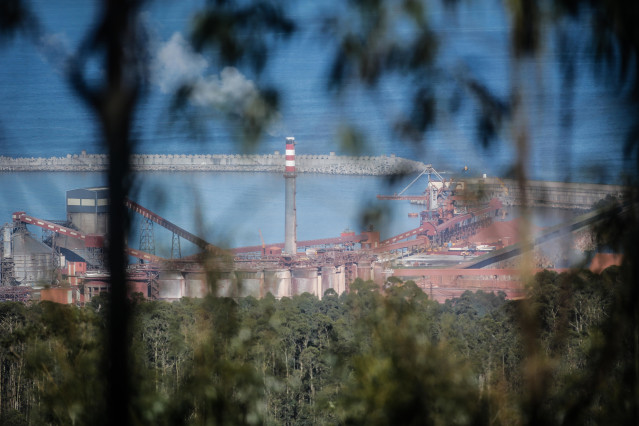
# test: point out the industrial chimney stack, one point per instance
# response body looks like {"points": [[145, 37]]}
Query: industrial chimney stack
{"points": [[290, 225]]}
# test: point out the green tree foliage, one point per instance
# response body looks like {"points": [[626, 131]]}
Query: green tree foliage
{"points": [[370, 356], [568, 354], [50, 364]]}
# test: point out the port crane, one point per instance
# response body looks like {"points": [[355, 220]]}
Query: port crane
{"points": [[430, 195], [441, 219]]}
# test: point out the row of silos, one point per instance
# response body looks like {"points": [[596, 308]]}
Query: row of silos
{"points": [[280, 282], [174, 285]]}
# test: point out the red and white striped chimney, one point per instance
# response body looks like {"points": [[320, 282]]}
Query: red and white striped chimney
{"points": [[290, 156], [290, 221]]}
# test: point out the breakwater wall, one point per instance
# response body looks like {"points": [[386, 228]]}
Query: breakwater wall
{"points": [[274, 163], [565, 195]]}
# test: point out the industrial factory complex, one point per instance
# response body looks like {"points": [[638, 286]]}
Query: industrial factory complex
{"points": [[463, 242]]}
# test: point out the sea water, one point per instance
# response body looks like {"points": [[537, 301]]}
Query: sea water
{"points": [[40, 116], [229, 209]]}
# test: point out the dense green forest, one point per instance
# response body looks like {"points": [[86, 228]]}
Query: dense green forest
{"points": [[370, 356]]}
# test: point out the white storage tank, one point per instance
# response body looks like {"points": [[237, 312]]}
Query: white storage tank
{"points": [[249, 283], [304, 280], [170, 285], [195, 285]]}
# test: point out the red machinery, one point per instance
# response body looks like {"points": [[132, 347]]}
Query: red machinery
{"points": [[441, 219], [91, 241]]}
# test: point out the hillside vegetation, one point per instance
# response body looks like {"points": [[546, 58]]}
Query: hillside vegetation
{"points": [[371, 356]]}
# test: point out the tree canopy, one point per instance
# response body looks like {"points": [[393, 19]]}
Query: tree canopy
{"points": [[565, 355]]}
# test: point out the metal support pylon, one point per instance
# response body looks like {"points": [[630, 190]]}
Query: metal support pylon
{"points": [[95, 257], [176, 252], [49, 238], [147, 240], [7, 266]]}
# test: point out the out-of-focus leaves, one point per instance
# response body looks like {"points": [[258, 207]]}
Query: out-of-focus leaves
{"points": [[15, 15], [352, 141], [258, 115], [421, 118], [117, 42], [184, 116], [369, 44], [615, 37], [526, 31], [247, 116], [486, 129], [376, 39], [493, 111], [237, 32], [631, 147], [455, 102], [423, 50], [374, 216], [234, 33]]}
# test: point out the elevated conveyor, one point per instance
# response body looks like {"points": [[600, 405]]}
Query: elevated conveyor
{"points": [[558, 231], [49, 226], [90, 240], [181, 232], [430, 229]]}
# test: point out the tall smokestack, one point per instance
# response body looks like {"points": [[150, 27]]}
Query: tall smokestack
{"points": [[290, 225]]}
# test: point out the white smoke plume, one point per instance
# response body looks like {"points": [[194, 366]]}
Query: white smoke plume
{"points": [[231, 88], [177, 64]]}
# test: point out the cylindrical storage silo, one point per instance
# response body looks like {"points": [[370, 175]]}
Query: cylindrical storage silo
{"points": [[273, 279], [224, 286], [364, 271], [249, 283], [340, 284], [329, 278], [304, 280], [195, 285], [170, 285], [284, 283]]}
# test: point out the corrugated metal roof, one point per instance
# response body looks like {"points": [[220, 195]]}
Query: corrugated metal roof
{"points": [[70, 256], [69, 243], [88, 192]]}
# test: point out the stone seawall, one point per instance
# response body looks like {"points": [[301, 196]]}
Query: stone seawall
{"points": [[274, 163], [563, 195]]}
